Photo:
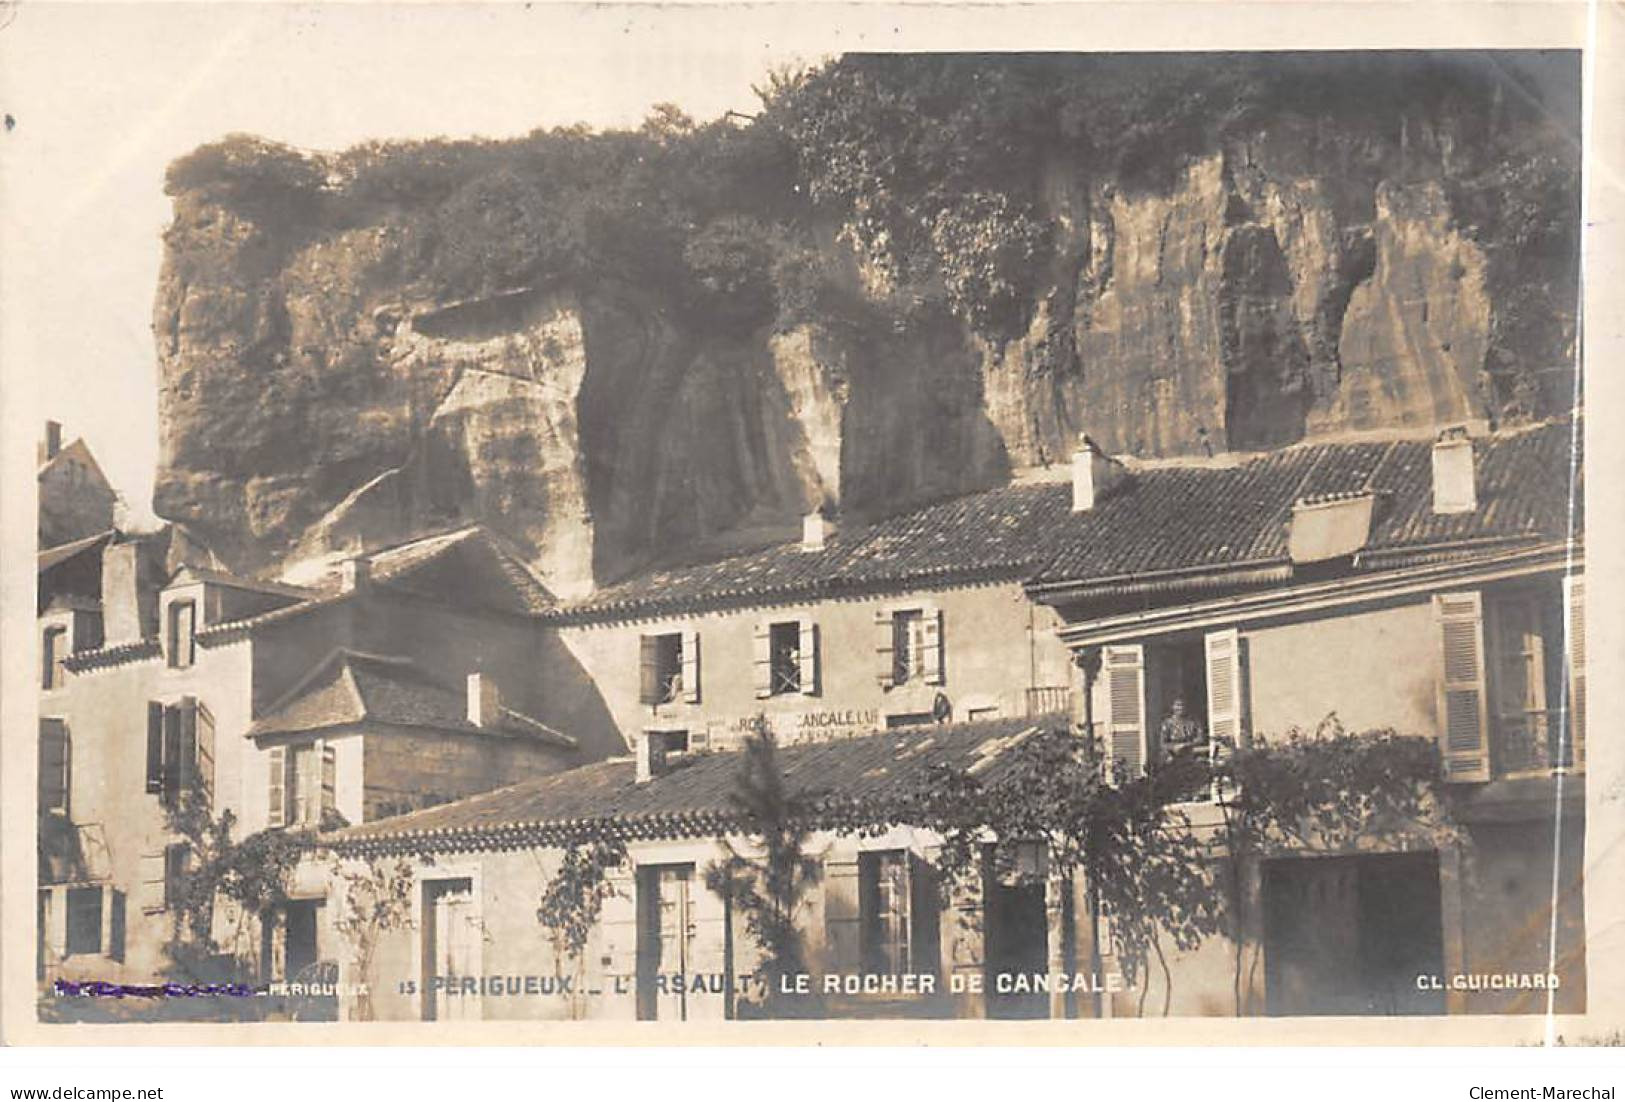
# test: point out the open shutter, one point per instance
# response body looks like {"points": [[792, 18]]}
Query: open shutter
{"points": [[931, 623], [152, 882], [884, 671], [186, 754], [648, 669], [691, 666], [54, 756], [1574, 632], [762, 659], [618, 930], [277, 801], [155, 747], [1124, 669], [1463, 719], [330, 773], [925, 921], [205, 752], [842, 917], [809, 658], [172, 754], [1225, 721]]}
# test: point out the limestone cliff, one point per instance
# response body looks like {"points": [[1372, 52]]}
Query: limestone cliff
{"points": [[347, 362]]}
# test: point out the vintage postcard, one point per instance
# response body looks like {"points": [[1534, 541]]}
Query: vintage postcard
{"points": [[836, 523]]}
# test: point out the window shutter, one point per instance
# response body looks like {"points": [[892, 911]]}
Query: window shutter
{"points": [[175, 860], [809, 658], [925, 932], [883, 648], [155, 747], [691, 666], [648, 669], [931, 620], [1125, 713], [186, 759], [330, 773], [762, 659], [1225, 693], [277, 803], [205, 752], [152, 882], [55, 753], [1463, 722], [842, 916], [172, 754], [116, 926], [1574, 633]]}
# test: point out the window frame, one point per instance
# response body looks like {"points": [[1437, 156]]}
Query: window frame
{"points": [[65, 780], [179, 658], [69, 942], [54, 647]]}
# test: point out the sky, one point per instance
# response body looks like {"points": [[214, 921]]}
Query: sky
{"points": [[102, 97], [98, 98]]}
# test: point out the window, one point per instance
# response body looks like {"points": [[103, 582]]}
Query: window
{"points": [[182, 625], [670, 668], [786, 658], [84, 921], [180, 750], [303, 784], [54, 649], [908, 645], [54, 755], [1184, 694], [897, 914]]}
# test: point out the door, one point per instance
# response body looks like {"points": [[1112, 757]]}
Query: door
{"points": [[665, 941], [301, 935], [451, 941], [1350, 935], [1017, 925]]}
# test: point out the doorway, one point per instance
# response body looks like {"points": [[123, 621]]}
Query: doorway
{"points": [[451, 943], [1350, 935], [1017, 926], [301, 950], [665, 941]]}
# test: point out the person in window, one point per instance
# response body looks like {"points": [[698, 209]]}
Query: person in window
{"points": [[786, 662], [1180, 731]]}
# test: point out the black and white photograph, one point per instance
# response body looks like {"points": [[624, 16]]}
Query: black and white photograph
{"points": [[686, 531]]}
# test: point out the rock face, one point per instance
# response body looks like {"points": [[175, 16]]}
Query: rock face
{"points": [[318, 398]]}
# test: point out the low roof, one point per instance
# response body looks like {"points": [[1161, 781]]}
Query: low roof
{"points": [[349, 688], [62, 552], [1196, 518], [695, 796]]}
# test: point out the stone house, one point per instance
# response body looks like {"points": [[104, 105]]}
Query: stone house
{"points": [[75, 499], [399, 682]]}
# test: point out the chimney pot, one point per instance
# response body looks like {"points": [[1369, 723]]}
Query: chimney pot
{"points": [[1454, 481], [484, 702]]}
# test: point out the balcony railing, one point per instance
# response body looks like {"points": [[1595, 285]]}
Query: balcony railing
{"points": [[1049, 700], [1528, 743]]}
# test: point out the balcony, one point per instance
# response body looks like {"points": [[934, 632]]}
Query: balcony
{"points": [[1526, 744], [1049, 700]]}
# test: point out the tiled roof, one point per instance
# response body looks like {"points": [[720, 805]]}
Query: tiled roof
{"points": [[1006, 532], [349, 688], [695, 796], [62, 552], [1197, 518]]}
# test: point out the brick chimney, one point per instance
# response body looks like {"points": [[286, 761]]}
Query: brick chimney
{"points": [[1094, 473], [52, 444], [651, 756], [484, 702], [1454, 483], [129, 594]]}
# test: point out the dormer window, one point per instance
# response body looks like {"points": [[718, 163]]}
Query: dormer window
{"points": [[182, 634]]}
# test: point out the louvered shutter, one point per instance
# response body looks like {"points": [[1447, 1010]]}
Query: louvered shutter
{"points": [[809, 658], [152, 882], [172, 754], [691, 666], [1575, 635], [186, 755], [649, 669], [155, 747], [1124, 669], [843, 916], [925, 924], [931, 628], [885, 671], [1463, 711], [1225, 692], [330, 772], [205, 752], [762, 659], [55, 754], [276, 802]]}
